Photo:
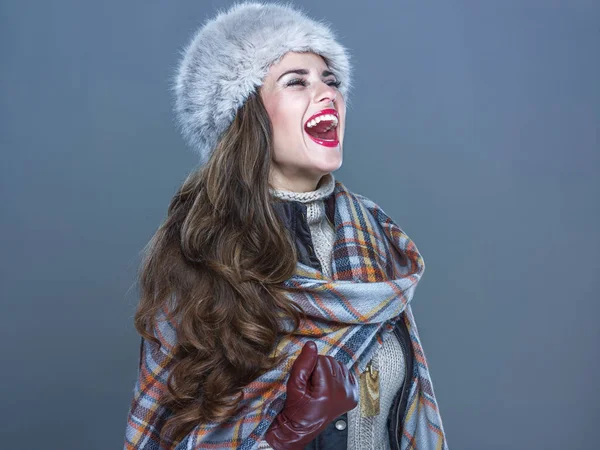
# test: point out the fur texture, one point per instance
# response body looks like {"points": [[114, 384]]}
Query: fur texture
{"points": [[229, 56]]}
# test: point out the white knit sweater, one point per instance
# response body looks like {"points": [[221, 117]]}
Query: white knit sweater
{"points": [[364, 433]]}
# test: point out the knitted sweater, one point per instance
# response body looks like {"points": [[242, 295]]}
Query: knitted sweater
{"points": [[364, 433]]}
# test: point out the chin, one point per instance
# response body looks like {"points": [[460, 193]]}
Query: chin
{"points": [[332, 164], [324, 170], [326, 166]]}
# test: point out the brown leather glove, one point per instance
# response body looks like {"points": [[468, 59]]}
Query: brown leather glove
{"points": [[319, 389]]}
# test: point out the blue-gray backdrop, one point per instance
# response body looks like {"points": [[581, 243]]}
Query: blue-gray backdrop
{"points": [[474, 124]]}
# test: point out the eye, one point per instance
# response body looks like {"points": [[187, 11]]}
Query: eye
{"points": [[301, 82], [296, 81]]}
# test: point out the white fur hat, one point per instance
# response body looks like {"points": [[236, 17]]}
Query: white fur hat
{"points": [[229, 56]]}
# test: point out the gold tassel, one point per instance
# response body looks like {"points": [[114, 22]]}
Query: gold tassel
{"points": [[369, 392]]}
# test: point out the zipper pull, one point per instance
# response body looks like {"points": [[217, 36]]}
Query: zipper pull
{"points": [[369, 391]]}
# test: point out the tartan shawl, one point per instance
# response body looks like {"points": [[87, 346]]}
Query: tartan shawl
{"points": [[375, 270]]}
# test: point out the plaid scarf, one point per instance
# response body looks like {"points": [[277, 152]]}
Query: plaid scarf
{"points": [[375, 270]]}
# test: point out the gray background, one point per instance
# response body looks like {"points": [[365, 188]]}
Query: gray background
{"points": [[474, 124]]}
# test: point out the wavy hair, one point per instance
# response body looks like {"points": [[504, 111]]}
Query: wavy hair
{"points": [[222, 254]]}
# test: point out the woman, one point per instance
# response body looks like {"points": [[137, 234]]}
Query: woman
{"points": [[272, 296]]}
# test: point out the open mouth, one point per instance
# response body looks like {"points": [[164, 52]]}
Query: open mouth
{"points": [[323, 128]]}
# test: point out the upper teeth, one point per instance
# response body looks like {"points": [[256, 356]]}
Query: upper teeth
{"points": [[316, 120]]}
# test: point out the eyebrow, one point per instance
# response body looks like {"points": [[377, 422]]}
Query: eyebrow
{"points": [[325, 73]]}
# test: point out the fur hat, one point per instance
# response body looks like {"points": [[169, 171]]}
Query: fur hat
{"points": [[229, 56]]}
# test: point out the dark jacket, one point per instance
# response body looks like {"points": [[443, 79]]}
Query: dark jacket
{"points": [[293, 216]]}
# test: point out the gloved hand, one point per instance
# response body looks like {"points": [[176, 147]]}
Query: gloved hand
{"points": [[319, 389]]}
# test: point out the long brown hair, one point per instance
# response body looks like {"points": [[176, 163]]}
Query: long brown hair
{"points": [[220, 254]]}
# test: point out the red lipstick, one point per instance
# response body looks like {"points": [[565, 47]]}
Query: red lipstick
{"points": [[325, 142]]}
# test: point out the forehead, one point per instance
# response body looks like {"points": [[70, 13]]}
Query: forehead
{"points": [[297, 60]]}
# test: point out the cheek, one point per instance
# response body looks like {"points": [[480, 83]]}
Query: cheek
{"points": [[285, 122], [277, 120], [280, 132], [285, 113], [342, 111], [274, 110]]}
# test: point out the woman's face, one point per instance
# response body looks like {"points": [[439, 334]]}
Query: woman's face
{"points": [[295, 91]]}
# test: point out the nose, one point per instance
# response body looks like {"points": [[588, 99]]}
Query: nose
{"points": [[326, 93]]}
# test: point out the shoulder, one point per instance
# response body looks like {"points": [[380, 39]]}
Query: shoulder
{"points": [[374, 208], [342, 189]]}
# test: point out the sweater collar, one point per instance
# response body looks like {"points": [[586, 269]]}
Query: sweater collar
{"points": [[324, 190]]}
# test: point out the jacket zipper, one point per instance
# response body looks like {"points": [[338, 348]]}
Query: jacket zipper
{"points": [[404, 387]]}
